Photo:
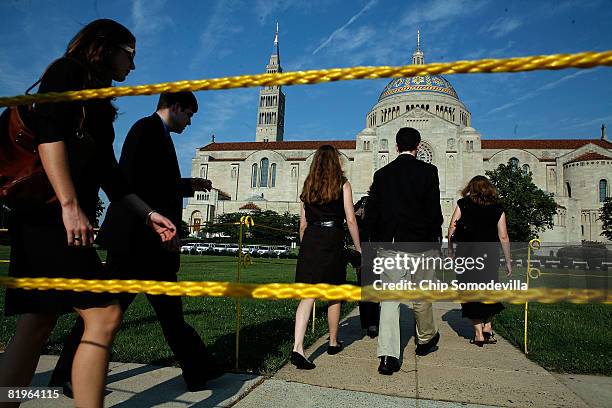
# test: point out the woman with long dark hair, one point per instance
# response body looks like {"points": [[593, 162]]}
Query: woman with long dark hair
{"points": [[478, 225], [327, 200], [75, 143]]}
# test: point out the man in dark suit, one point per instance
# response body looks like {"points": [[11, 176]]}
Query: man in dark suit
{"points": [[404, 207], [149, 162]]}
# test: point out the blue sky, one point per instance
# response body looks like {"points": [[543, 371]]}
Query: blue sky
{"points": [[201, 39]]}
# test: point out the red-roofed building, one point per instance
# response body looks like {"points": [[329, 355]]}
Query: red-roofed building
{"points": [[269, 173]]}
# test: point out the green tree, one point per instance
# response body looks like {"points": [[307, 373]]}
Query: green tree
{"points": [[270, 227], [99, 212], [273, 228], [605, 215], [225, 225], [183, 230], [529, 210]]}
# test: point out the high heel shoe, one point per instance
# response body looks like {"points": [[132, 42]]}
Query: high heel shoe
{"points": [[301, 362], [489, 337], [479, 343], [335, 349]]}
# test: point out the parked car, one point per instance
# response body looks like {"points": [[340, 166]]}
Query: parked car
{"points": [[250, 249], [200, 249], [188, 248], [281, 250], [265, 250], [220, 247], [589, 257], [233, 248]]}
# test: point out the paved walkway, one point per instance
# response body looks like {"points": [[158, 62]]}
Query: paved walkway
{"points": [[458, 374]]}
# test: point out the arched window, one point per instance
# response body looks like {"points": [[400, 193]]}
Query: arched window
{"points": [[254, 176], [263, 179], [514, 163], [526, 169], [603, 190], [273, 175], [425, 153], [384, 145]]}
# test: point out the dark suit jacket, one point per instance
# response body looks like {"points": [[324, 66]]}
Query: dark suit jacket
{"points": [[149, 163], [404, 202]]}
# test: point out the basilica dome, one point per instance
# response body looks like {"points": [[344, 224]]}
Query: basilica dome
{"points": [[428, 83]]}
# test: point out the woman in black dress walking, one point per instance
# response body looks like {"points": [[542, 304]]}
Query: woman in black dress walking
{"points": [[327, 200], [75, 143], [479, 225]]}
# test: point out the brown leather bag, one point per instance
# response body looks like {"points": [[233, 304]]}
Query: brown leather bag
{"points": [[22, 177], [23, 180]]}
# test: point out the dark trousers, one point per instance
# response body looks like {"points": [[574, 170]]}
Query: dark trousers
{"points": [[184, 341], [369, 312]]}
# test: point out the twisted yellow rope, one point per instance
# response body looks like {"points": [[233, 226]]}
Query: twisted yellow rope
{"points": [[517, 64], [303, 291]]}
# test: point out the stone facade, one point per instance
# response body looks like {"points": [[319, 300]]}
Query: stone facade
{"points": [[270, 175]]}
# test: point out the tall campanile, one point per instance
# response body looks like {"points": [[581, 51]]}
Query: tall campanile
{"points": [[271, 111]]}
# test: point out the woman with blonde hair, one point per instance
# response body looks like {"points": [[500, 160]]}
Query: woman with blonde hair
{"points": [[478, 225], [327, 200]]}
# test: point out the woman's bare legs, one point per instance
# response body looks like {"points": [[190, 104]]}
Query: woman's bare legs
{"points": [[333, 320], [477, 323], [487, 327], [91, 359], [302, 315], [18, 362]]}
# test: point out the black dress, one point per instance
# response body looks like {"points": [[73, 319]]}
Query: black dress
{"points": [[320, 259], [37, 233], [482, 224]]}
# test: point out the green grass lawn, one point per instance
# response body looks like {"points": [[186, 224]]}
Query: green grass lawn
{"points": [[562, 337], [266, 336]]}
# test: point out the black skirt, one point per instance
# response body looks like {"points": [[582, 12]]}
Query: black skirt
{"points": [[478, 310], [320, 259], [41, 250]]}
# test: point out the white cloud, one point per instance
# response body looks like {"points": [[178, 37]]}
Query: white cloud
{"points": [[503, 26], [593, 123], [540, 90], [218, 27], [441, 11], [339, 31], [149, 17], [266, 8]]}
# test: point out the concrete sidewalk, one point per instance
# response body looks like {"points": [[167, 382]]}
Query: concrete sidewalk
{"points": [[458, 374], [497, 375]]}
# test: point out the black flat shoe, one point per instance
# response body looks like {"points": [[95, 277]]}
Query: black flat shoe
{"points": [[388, 365], [424, 349], [301, 362], [372, 332], [195, 386], [335, 349], [65, 385]]}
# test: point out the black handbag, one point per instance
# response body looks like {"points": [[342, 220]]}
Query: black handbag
{"points": [[463, 231], [352, 257]]}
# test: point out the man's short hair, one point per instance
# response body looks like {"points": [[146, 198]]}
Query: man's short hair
{"points": [[407, 139], [185, 100]]}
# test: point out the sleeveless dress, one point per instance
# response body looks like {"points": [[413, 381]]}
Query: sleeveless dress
{"points": [[320, 259], [482, 222], [37, 233]]}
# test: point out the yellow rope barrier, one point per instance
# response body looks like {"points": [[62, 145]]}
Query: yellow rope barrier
{"points": [[304, 291], [517, 64]]}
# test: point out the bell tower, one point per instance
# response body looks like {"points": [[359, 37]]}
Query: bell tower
{"points": [[271, 111]]}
